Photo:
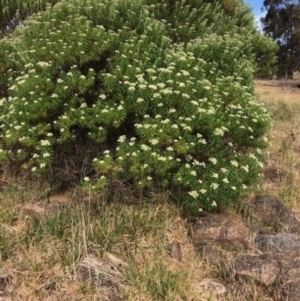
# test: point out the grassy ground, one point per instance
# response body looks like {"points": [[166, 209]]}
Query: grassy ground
{"points": [[282, 175], [42, 257], [39, 260]]}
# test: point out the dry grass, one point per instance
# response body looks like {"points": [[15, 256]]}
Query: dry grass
{"points": [[41, 258], [274, 90], [282, 167]]}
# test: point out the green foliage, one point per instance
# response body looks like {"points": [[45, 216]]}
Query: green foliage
{"points": [[13, 12], [265, 58], [147, 92]]}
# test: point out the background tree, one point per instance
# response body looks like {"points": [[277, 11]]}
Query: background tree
{"points": [[148, 93], [282, 23]]}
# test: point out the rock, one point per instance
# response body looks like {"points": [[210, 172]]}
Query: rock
{"points": [[107, 272], [212, 286], [225, 230], [174, 250], [277, 242], [41, 211], [274, 174], [263, 269], [212, 253], [271, 212], [277, 271]]}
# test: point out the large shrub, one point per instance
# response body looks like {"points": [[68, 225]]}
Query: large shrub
{"points": [[151, 93]]}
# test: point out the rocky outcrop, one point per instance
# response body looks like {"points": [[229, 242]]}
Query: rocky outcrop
{"points": [[277, 271], [259, 246], [267, 234]]}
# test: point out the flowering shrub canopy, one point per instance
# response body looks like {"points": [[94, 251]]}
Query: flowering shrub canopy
{"points": [[161, 95]]}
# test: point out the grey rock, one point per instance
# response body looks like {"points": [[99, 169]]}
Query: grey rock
{"points": [[270, 212], [277, 242], [93, 267], [211, 253], [107, 272], [263, 269]]}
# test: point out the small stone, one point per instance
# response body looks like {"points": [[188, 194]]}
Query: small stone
{"points": [[107, 271], [212, 286], [41, 211], [274, 174], [174, 250]]}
